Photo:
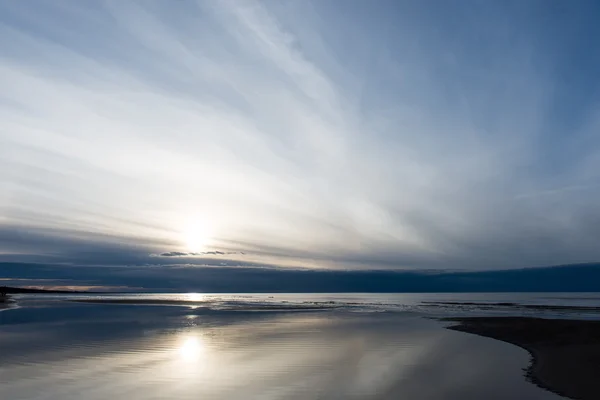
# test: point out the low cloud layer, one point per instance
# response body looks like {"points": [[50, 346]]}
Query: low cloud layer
{"points": [[298, 134], [247, 279]]}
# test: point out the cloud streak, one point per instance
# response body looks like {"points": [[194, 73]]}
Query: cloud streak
{"points": [[297, 134], [203, 253]]}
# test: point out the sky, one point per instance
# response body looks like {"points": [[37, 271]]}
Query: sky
{"points": [[341, 135]]}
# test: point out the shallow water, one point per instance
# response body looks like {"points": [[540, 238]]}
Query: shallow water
{"points": [[243, 347]]}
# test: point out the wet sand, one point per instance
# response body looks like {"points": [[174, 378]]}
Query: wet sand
{"points": [[565, 353], [491, 306]]}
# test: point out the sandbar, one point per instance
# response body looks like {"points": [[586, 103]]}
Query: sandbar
{"points": [[565, 353]]}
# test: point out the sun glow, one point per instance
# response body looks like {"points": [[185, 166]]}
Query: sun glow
{"points": [[197, 236]]}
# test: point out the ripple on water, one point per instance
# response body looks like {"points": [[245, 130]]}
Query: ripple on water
{"points": [[100, 351]]}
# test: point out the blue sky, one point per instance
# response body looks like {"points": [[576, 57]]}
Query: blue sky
{"points": [[326, 134]]}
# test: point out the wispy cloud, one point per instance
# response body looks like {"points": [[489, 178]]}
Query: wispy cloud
{"points": [[202, 253], [298, 134], [558, 191]]}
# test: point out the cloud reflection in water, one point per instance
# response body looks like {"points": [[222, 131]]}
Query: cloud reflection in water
{"points": [[134, 352]]}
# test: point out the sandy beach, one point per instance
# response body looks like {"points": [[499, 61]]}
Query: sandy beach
{"points": [[565, 353]]}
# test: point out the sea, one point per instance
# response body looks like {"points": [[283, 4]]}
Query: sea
{"points": [[268, 346]]}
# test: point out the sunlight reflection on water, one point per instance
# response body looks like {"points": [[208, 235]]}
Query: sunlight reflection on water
{"points": [[75, 351], [195, 297], [191, 349]]}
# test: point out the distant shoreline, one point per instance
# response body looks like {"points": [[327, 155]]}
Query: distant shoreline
{"points": [[8, 302], [565, 353], [18, 290], [191, 303]]}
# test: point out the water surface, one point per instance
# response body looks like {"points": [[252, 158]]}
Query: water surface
{"points": [[192, 346]]}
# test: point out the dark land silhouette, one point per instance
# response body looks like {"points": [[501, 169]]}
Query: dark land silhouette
{"points": [[6, 290]]}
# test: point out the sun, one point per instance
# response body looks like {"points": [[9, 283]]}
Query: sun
{"points": [[197, 236]]}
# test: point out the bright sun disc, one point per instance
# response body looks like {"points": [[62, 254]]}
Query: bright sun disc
{"points": [[197, 237]]}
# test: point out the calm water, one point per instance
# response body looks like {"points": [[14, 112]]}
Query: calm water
{"points": [[331, 346]]}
